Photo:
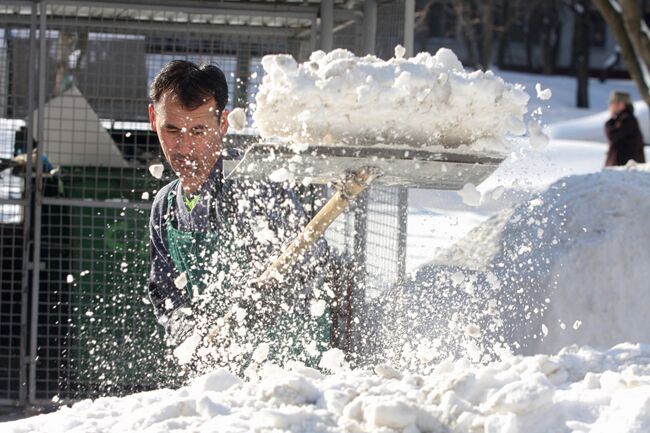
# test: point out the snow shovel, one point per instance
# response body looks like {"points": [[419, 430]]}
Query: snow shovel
{"points": [[352, 170]]}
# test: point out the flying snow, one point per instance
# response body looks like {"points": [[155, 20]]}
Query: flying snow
{"points": [[544, 94], [237, 119]]}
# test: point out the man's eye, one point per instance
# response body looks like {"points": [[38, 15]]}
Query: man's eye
{"points": [[199, 131]]}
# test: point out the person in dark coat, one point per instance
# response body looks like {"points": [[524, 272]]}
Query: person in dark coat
{"points": [[622, 131]]}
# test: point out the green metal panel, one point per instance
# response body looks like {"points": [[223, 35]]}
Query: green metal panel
{"points": [[114, 344]]}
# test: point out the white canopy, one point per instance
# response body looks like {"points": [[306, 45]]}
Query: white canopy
{"points": [[73, 134]]}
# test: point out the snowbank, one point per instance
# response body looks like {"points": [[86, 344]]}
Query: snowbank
{"points": [[567, 266], [578, 390], [423, 100], [592, 128]]}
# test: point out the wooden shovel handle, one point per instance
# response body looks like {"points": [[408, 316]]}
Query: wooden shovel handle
{"points": [[351, 188]]}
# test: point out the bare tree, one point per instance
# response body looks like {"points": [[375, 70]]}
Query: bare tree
{"points": [[477, 24], [544, 28], [581, 49], [626, 22]]}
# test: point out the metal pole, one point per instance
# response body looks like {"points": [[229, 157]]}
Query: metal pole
{"points": [[257, 9], [242, 74], [313, 35], [369, 26], [27, 210], [359, 261], [38, 202], [403, 214], [409, 27], [140, 27], [327, 25]]}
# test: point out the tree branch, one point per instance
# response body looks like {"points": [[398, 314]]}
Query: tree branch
{"points": [[632, 21], [615, 21]]}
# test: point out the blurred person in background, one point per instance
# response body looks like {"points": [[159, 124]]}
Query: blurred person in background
{"points": [[623, 132]]}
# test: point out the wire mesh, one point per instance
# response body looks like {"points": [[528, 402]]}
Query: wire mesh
{"points": [[96, 333], [13, 308], [382, 240], [390, 28]]}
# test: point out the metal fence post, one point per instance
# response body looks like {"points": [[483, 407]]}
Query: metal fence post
{"points": [[38, 200], [359, 263], [409, 27], [327, 25], [403, 214], [27, 212], [370, 26]]}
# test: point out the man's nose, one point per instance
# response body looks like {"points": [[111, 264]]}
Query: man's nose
{"points": [[184, 143]]}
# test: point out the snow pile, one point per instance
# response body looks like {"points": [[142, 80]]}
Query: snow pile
{"points": [[567, 266], [580, 390], [425, 100]]}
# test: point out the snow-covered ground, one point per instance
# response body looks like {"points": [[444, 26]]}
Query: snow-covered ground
{"points": [[566, 237], [578, 390]]}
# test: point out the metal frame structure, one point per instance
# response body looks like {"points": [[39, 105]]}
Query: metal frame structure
{"points": [[315, 24]]}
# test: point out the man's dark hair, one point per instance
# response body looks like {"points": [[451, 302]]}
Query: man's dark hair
{"points": [[191, 84]]}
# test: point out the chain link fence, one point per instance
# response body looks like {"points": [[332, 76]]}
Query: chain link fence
{"points": [[75, 191]]}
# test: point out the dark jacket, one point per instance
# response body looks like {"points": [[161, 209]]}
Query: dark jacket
{"points": [[625, 139]]}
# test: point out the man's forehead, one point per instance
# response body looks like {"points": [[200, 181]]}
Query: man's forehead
{"points": [[171, 108]]}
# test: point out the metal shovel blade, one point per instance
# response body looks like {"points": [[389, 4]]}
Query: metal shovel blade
{"points": [[448, 170]]}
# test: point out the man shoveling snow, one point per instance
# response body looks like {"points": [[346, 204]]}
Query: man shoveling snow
{"points": [[211, 236]]}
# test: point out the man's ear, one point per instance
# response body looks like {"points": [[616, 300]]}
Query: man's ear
{"points": [[152, 118], [223, 122]]}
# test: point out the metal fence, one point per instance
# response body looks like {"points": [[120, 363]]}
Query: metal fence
{"points": [[74, 317]]}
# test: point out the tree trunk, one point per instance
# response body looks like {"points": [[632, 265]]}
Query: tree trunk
{"points": [[503, 44], [550, 24], [463, 15], [581, 45], [487, 31], [633, 63], [529, 44], [633, 22]]}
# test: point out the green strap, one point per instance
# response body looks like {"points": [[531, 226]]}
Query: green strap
{"points": [[191, 202]]}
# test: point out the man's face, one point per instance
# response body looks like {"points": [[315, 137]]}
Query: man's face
{"points": [[190, 139]]}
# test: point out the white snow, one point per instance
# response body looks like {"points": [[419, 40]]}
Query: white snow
{"points": [[538, 140], [575, 253], [543, 94], [261, 352], [186, 349], [317, 308], [470, 195], [156, 170], [580, 390], [237, 119], [280, 175], [181, 281], [333, 360], [423, 100]]}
